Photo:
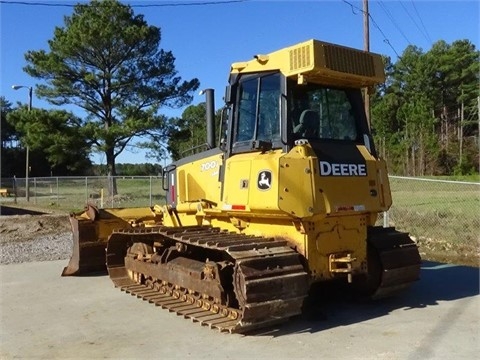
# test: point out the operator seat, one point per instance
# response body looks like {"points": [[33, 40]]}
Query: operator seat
{"points": [[308, 124]]}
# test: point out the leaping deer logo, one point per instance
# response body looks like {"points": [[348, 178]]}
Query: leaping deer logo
{"points": [[264, 180]]}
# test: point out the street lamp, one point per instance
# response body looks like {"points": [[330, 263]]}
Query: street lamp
{"points": [[27, 150]]}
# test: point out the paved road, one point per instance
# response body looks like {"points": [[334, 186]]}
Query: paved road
{"points": [[45, 316]]}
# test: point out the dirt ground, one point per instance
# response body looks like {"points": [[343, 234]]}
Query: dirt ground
{"points": [[467, 254], [24, 225], [31, 224]]}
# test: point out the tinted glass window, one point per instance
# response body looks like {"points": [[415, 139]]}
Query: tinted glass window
{"points": [[320, 112], [258, 115]]}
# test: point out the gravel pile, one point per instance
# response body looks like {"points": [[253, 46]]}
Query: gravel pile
{"points": [[41, 248]]}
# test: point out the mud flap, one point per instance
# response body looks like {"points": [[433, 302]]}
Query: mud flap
{"points": [[393, 260]]}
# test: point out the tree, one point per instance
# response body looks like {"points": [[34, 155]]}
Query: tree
{"points": [[12, 159], [8, 131], [145, 169], [189, 133], [425, 115], [57, 134], [107, 61]]}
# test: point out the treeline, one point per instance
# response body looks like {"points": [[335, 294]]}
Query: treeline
{"points": [[426, 116], [189, 132], [145, 169]]}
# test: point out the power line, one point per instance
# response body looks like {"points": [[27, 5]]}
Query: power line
{"points": [[413, 20], [385, 39], [200, 3], [34, 4], [421, 21], [203, 3], [390, 16]]}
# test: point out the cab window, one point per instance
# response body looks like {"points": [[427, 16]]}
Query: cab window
{"points": [[258, 116], [318, 112]]}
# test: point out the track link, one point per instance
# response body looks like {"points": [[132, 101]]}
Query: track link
{"points": [[268, 281]]}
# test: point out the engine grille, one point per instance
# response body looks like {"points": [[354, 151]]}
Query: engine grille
{"points": [[349, 61]]}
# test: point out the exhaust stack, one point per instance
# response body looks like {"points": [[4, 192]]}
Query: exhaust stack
{"points": [[210, 109]]}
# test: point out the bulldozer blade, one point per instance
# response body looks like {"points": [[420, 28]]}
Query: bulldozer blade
{"points": [[88, 254], [395, 262], [91, 230]]}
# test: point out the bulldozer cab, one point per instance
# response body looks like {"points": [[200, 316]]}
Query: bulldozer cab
{"points": [[271, 111], [311, 91]]}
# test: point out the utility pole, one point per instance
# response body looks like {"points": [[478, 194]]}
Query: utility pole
{"points": [[366, 47]]}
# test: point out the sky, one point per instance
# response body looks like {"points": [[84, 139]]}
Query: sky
{"points": [[206, 38]]}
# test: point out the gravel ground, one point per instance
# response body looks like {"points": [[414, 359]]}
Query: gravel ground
{"points": [[26, 238], [43, 248]]}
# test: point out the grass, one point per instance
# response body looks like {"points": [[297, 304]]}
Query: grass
{"points": [[443, 217], [441, 210], [71, 194]]}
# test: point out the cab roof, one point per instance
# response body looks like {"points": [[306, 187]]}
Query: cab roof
{"points": [[319, 62]]}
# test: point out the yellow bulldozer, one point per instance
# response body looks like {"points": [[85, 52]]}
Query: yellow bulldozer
{"points": [[288, 198]]}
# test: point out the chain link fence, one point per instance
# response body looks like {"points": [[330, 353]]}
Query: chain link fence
{"points": [[72, 193], [436, 209], [426, 208]]}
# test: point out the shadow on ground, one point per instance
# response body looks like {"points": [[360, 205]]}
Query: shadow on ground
{"points": [[9, 211], [438, 282]]}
